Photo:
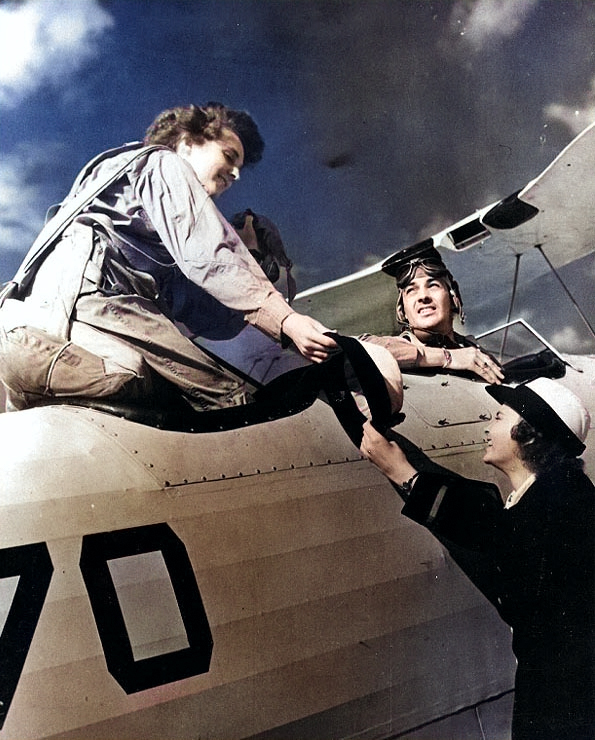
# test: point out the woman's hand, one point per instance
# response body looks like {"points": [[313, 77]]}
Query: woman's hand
{"points": [[308, 335], [476, 361], [388, 457]]}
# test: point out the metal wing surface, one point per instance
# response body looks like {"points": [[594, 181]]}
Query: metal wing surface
{"points": [[548, 221]]}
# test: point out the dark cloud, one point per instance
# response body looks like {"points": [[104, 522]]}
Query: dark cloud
{"points": [[384, 121], [434, 125]]}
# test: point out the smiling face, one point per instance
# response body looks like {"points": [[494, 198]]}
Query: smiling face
{"points": [[427, 304], [501, 450], [217, 162]]}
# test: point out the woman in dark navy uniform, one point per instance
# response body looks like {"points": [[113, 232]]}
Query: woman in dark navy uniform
{"points": [[532, 555]]}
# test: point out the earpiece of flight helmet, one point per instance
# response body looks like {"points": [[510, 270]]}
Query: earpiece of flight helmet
{"points": [[456, 302]]}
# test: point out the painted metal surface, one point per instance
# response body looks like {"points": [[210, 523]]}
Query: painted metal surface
{"points": [[323, 601], [316, 590]]}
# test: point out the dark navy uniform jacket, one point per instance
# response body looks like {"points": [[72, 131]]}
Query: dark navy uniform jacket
{"points": [[536, 563]]}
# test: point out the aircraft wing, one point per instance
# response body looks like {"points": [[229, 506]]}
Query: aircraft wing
{"points": [[553, 212], [364, 301]]}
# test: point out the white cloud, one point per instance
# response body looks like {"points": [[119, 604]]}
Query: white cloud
{"points": [[46, 41], [23, 199], [482, 21], [569, 339], [576, 117]]}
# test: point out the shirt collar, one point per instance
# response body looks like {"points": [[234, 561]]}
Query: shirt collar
{"points": [[515, 496]]}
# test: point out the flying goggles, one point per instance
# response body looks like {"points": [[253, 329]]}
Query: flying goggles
{"points": [[403, 264]]}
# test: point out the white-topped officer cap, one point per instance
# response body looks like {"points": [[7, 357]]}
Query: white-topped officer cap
{"points": [[549, 407], [565, 403]]}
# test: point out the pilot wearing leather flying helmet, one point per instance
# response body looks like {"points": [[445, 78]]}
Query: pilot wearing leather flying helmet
{"points": [[428, 301]]}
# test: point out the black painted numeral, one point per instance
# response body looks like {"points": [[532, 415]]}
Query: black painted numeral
{"points": [[137, 675], [33, 566]]}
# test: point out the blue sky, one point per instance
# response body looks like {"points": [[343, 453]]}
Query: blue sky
{"points": [[384, 120]]}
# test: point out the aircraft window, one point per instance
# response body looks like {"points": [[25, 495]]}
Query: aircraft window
{"points": [[148, 603], [465, 236], [115, 602], [523, 352], [25, 574], [254, 354]]}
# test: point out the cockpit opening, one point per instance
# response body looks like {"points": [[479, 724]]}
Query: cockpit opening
{"points": [[335, 381], [523, 353]]}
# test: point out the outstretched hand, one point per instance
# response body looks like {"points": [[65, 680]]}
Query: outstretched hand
{"points": [[388, 457], [309, 337], [474, 360]]}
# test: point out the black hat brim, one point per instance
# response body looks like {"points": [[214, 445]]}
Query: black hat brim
{"points": [[539, 414]]}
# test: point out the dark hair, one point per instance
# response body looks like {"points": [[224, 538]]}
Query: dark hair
{"points": [[538, 453], [207, 122], [434, 269]]}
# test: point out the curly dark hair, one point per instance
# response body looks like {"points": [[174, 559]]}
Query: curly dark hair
{"points": [[206, 122], [538, 453]]}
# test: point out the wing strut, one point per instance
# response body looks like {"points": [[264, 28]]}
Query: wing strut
{"points": [[511, 304], [566, 290]]}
